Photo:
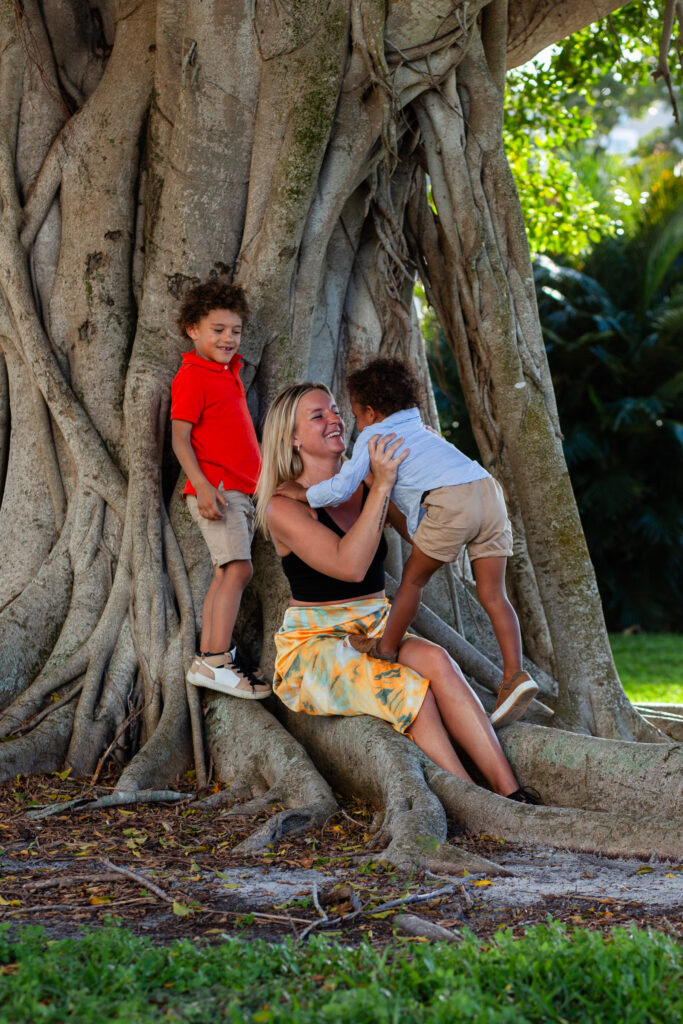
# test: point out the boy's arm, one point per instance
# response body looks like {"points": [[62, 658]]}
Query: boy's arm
{"points": [[208, 497], [291, 489], [339, 488], [398, 521]]}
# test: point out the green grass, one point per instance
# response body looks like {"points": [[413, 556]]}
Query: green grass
{"points": [[549, 975], [650, 666]]}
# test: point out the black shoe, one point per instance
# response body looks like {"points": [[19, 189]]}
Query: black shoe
{"points": [[253, 674], [525, 795]]}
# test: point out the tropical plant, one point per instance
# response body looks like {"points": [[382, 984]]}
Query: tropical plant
{"points": [[559, 111], [612, 333]]}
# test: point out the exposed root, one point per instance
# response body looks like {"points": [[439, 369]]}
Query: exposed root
{"points": [[41, 750], [635, 779], [668, 718], [293, 822], [268, 765], [584, 831], [365, 757], [86, 803], [167, 753]]}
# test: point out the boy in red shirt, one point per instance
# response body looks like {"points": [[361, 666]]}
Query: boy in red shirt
{"points": [[215, 443]]}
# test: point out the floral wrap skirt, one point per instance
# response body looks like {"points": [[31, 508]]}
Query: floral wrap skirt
{"points": [[318, 672]]}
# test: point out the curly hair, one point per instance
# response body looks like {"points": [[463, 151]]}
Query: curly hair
{"points": [[202, 299], [385, 384]]}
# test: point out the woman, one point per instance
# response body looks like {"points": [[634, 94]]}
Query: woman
{"points": [[333, 559]]}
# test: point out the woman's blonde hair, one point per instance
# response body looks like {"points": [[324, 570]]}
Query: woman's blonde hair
{"points": [[280, 460]]}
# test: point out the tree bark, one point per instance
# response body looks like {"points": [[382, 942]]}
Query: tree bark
{"points": [[145, 144]]}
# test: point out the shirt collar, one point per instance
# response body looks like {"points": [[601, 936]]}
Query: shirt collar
{"points": [[193, 359], [402, 416]]}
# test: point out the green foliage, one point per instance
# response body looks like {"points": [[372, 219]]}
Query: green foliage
{"points": [[612, 333], [650, 666], [613, 340], [559, 110], [548, 975], [561, 214]]}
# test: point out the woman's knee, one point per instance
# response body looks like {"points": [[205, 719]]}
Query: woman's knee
{"points": [[426, 658]]}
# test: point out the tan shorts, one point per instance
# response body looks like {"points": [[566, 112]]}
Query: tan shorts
{"points": [[228, 539], [473, 514]]}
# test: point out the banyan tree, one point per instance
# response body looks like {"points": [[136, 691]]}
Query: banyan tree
{"points": [[324, 154]]}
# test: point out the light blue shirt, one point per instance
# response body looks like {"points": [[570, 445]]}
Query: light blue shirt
{"points": [[432, 462]]}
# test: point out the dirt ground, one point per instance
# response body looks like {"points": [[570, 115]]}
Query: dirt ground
{"points": [[183, 878]]}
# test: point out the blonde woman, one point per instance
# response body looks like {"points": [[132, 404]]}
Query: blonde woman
{"points": [[333, 560]]}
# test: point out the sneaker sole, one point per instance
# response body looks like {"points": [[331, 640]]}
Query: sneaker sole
{"points": [[210, 684], [515, 706]]}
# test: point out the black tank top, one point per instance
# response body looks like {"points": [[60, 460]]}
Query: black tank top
{"points": [[309, 585]]}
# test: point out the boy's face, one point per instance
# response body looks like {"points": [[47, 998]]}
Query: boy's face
{"points": [[217, 335], [365, 414]]}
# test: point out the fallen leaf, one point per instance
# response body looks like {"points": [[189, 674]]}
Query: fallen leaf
{"points": [[180, 910]]}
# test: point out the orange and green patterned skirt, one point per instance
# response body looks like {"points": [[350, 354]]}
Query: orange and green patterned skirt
{"points": [[318, 672]]}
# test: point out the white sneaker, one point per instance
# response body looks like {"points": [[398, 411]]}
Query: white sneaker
{"points": [[226, 677]]}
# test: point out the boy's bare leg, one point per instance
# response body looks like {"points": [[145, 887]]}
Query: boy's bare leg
{"points": [[489, 575], [460, 712], [416, 573], [221, 605], [207, 608]]}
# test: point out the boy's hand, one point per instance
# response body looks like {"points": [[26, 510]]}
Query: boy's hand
{"points": [[292, 490], [208, 499]]}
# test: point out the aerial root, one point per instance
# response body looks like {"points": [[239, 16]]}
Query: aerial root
{"points": [[294, 821], [480, 811]]}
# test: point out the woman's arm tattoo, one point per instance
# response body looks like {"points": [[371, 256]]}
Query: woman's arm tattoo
{"points": [[382, 515]]}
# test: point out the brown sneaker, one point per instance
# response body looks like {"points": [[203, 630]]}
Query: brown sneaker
{"points": [[219, 672], [368, 645], [514, 697]]}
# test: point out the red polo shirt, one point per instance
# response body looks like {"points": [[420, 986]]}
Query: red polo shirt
{"points": [[211, 396]]}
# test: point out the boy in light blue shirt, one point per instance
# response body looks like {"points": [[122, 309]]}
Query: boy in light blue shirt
{"points": [[448, 501]]}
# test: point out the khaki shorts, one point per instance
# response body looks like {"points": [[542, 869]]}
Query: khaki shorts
{"points": [[473, 514], [228, 539]]}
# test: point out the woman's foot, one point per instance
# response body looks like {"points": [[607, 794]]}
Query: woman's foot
{"points": [[525, 795], [514, 697]]}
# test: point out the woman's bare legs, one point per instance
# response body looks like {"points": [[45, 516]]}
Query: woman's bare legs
{"points": [[459, 715], [431, 736]]}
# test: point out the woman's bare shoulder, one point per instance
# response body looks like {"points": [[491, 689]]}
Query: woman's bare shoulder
{"points": [[287, 519]]}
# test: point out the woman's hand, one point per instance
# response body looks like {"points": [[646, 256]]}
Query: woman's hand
{"points": [[384, 461]]}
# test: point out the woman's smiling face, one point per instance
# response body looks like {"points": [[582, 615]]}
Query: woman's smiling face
{"points": [[319, 428]]}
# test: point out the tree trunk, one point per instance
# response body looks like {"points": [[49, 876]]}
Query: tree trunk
{"points": [[145, 144]]}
